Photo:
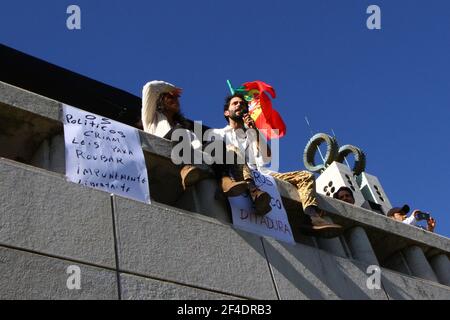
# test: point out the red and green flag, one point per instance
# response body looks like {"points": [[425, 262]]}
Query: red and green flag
{"points": [[266, 118]]}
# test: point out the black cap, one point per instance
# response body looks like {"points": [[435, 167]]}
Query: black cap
{"points": [[404, 210]]}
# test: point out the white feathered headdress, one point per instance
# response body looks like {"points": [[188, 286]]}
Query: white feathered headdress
{"points": [[150, 94]]}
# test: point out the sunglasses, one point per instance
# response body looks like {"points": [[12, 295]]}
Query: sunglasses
{"points": [[172, 95]]}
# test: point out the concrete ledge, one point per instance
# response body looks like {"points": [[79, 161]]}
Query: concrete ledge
{"points": [[302, 272], [155, 145], [22, 132], [31, 276], [139, 288], [163, 243], [386, 235], [158, 151], [27, 119], [28, 101], [401, 287], [349, 215], [43, 212]]}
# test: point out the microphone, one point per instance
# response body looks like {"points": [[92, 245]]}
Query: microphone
{"points": [[244, 113]]}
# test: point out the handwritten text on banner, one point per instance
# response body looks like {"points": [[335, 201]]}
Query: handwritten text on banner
{"points": [[104, 154], [274, 224]]}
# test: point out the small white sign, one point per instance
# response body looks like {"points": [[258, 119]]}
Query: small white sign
{"points": [[275, 224], [104, 154]]}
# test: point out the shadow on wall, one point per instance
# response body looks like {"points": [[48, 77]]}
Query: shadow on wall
{"points": [[301, 272]]}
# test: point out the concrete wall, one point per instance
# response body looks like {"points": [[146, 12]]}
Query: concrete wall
{"points": [[130, 250]]}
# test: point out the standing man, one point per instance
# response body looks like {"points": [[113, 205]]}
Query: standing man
{"points": [[258, 154]]}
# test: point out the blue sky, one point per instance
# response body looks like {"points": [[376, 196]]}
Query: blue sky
{"points": [[386, 91]]}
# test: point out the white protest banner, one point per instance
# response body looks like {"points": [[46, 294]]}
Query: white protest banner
{"points": [[104, 154], [275, 224]]}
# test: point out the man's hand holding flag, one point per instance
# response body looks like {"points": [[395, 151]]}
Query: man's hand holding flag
{"points": [[267, 119]]}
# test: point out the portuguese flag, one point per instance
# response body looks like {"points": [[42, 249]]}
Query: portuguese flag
{"points": [[266, 118]]}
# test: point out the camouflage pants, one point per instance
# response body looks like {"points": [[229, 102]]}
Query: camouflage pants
{"points": [[303, 181], [305, 184]]}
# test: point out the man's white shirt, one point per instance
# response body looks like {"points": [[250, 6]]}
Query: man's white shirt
{"points": [[411, 220], [247, 144]]}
